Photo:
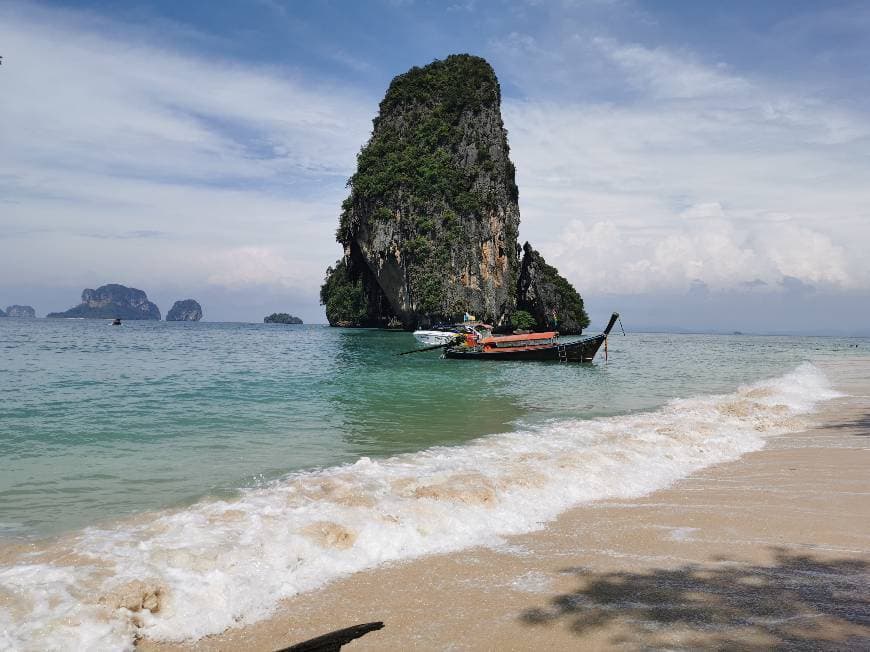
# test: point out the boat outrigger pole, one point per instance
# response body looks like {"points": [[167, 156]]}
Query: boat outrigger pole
{"points": [[607, 330]]}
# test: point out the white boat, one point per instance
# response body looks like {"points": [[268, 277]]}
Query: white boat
{"points": [[432, 338]]}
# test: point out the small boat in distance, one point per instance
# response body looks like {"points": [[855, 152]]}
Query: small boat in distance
{"points": [[116, 321], [482, 345]]}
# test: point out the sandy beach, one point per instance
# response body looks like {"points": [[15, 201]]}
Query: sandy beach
{"points": [[772, 550]]}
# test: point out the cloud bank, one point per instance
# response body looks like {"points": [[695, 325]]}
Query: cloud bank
{"points": [[645, 165]]}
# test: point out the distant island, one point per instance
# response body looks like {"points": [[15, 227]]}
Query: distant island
{"points": [[185, 310], [26, 312], [281, 318], [110, 301]]}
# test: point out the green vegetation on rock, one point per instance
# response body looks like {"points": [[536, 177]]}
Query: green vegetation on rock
{"points": [[343, 297], [523, 321], [281, 318]]}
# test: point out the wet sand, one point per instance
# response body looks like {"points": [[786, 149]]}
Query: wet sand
{"points": [[772, 550]]}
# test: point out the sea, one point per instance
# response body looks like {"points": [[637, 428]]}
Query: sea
{"points": [[170, 480]]}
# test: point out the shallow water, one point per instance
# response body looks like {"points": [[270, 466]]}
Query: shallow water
{"points": [[98, 422], [218, 468]]}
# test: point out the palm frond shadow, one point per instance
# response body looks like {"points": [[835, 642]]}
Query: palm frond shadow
{"points": [[798, 602]]}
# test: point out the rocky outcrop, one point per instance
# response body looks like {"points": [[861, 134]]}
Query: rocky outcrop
{"points": [[430, 227], [548, 296], [110, 301], [185, 310], [26, 312], [2, 314], [281, 318]]}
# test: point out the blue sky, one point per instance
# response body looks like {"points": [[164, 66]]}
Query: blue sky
{"points": [[688, 163]]}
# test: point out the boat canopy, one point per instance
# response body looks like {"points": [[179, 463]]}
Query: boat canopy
{"points": [[528, 337]]}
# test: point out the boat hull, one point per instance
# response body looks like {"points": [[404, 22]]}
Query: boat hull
{"points": [[577, 351]]}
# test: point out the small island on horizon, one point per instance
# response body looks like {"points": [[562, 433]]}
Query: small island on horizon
{"points": [[110, 302], [21, 312], [281, 318], [185, 310]]}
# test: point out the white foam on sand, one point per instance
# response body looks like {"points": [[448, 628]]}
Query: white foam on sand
{"points": [[185, 574]]}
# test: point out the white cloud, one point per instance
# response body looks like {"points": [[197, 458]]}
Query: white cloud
{"points": [[604, 257], [703, 175], [642, 168], [105, 135], [666, 74]]}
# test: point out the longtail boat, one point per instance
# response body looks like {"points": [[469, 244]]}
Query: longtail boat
{"points": [[482, 345]]}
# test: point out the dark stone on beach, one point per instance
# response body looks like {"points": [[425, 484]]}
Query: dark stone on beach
{"points": [[111, 301], [334, 641], [26, 312], [281, 318], [185, 310]]}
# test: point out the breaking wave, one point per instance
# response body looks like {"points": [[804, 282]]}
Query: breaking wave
{"points": [[184, 574]]}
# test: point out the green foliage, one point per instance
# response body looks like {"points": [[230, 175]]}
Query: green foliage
{"points": [[570, 303], [417, 249], [460, 82], [424, 223], [523, 321], [281, 318], [411, 152], [343, 297], [383, 213]]}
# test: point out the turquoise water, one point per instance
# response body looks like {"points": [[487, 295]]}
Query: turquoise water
{"points": [[100, 422]]}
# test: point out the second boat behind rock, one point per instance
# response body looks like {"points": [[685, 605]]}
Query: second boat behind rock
{"points": [[535, 346]]}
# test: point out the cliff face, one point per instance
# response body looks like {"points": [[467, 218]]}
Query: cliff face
{"points": [[185, 310], [110, 301], [430, 227], [20, 311], [548, 296]]}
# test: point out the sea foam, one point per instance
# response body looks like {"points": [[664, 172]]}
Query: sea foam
{"points": [[188, 573]]}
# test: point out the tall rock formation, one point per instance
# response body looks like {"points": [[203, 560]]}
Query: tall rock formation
{"points": [[110, 301], [548, 296], [430, 227], [185, 310], [26, 312]]}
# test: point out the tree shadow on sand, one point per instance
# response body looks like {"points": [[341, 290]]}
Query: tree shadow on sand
{"points": [[860, 425], [798, 602]]}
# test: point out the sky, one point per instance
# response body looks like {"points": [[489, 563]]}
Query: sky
{"points": [[696, 166]]}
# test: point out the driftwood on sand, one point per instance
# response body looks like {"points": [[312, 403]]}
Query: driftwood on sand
{"points": [[333, 641]]}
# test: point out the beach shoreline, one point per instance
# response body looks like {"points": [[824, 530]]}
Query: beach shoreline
{"points": [[767, 550]]}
